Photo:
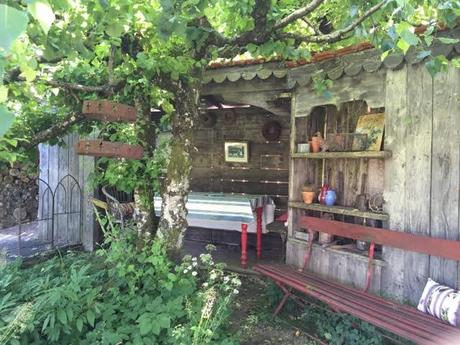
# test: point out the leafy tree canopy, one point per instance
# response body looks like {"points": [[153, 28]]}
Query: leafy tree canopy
{"points": [[54, 53]]}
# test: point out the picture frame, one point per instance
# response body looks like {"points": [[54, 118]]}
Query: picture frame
{"points": [[236, 151], [373, 125]]}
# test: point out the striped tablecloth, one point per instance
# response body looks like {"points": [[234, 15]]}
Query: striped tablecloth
{"points": [[225, 211]]}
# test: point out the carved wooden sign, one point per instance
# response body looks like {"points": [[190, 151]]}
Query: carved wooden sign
{"points": [[105, 110], [100, 148]]}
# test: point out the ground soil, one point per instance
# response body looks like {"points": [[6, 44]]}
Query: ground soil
{"points": [[252, 318]]}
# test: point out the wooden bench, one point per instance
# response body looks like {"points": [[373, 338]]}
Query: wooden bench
{"points": [[402, 320]]}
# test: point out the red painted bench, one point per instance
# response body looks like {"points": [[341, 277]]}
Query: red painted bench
{"points": [[402, 320]]}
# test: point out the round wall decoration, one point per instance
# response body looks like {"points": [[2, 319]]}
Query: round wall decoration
{"points": [[271, 130], [208, 120]]}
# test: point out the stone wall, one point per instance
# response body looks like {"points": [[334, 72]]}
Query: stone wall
{"points": [[18, 196]]}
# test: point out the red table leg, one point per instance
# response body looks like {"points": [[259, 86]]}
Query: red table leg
{"points": [[259, 212], [244, 245]]}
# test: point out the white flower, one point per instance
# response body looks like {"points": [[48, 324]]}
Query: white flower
{"points": [[189, 268], [185, 271], [236, 292], [194, 273], [194, 258], [226, 278], [205, 285], [194, 264]]}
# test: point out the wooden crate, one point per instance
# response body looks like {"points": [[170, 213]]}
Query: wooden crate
{"points": [[105, 110], [100, 148]]}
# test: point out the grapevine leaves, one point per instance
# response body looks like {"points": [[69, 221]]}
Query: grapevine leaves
{"points": [[12, 24], [42, 13]]}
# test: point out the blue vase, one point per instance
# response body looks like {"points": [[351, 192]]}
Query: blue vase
{"points": [[331, 197]]}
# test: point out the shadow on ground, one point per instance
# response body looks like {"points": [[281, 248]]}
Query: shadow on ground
{"points": [[252, 318]]}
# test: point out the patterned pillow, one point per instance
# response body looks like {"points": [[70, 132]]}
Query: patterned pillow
{"points": [[441, 301]]}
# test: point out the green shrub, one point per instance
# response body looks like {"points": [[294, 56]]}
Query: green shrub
{"points": [[121, 295], [334, 328], [341, 329]]}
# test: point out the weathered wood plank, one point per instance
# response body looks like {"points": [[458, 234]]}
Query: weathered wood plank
{"points": [[53, 166], [99, 148], [418, 174], [445, 170], [343, 210], [334, 263], [294, 179], [45, 195], [87, 166], [75, 193], [369, 87], [62, 194], [341, 155], [395, 177], [408, 241], [108, 111]]}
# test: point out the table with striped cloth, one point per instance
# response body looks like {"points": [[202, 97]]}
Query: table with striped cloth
{"points": [[245, 213], [226, 211]]}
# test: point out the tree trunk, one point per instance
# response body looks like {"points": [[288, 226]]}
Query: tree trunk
{"points": [[147, 221], [173, 223]]}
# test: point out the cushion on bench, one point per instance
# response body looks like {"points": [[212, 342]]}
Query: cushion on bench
{"points": [[440, 301], [403, 320]]}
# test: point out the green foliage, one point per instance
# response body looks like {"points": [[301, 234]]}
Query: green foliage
{"points": [[124, 294], [150, 42], [341, 329], [13, 23], [43, 13], [334, 328]]}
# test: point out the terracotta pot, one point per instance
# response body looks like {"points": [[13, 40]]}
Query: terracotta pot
{"points": [[308, 197], [315, 145]]}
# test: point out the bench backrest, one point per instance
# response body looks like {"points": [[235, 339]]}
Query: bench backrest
{"points": [[448, 249], [416, 243]]}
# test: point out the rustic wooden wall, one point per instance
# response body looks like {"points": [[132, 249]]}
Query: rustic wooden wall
{"points": [[421, 181], [267, 169], [422, 178], [346, 177], [55, 163]]}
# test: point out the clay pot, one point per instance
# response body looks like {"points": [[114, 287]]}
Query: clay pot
{"points": [[315, 145], [308, 197]]}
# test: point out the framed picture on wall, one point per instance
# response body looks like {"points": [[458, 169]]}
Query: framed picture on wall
{"points": [[236, 151]]}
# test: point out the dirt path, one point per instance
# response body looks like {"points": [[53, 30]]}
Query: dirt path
{"points": [[253, 320]]}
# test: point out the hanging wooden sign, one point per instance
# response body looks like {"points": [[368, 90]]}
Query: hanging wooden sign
{"points": [[105, 110], [100, 148]]}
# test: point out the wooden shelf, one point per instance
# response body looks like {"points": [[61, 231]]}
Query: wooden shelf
{"points": [[338, 155], [347, 211]]}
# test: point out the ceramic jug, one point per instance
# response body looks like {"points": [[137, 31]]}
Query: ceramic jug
{"points": [[330, 198]]}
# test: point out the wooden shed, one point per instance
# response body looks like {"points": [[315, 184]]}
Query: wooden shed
{"points": [[415, 169]]}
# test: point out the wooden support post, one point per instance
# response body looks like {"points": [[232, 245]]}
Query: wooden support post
{"points": [[244, 246], [311, 236], [259, 212], [369, 267]]}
